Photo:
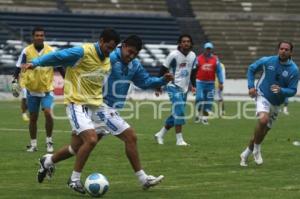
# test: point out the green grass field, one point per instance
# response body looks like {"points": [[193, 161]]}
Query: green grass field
{"points": [[209, 168]]}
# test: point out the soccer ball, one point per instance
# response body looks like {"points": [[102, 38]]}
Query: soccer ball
{"points": [[96, 184]]}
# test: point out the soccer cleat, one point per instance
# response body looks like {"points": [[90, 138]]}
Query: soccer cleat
{"points": [[49, 147], [158, 139], [31, 148], [43, 171], [182, 143], [244, 160], [25, 117], [257, 157], [152, 181], [197, 119], [76, 186], [204, 122]]}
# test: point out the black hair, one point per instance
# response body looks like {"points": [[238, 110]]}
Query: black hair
{"points": [[110, 34], [36, 29], [286, 42], [184, 35], [134, 41]]}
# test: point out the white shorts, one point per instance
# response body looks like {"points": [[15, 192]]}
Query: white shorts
{"points": [[80, 117], [109, 119], [23, 93], [263, 105]]}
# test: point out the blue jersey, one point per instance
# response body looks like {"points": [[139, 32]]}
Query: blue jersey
{"points": [[118, 82], [273, 72]]}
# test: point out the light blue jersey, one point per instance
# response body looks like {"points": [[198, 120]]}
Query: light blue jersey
{"points": [[122, 75], [273, 72]]}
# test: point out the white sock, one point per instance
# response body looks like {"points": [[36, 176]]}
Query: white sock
{"points": [[256, 147], [75, 176], [179, 137], [33, 142], [48, 162], [247, 152], [48, 139], [141, 175], [24, 114], [162, 132]]}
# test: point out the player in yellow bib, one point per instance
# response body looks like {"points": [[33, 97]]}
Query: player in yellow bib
{"points": [[39, 87], [86, 68]]}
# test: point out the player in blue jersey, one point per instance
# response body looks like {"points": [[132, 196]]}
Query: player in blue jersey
{"points": [[278, 81], [126, 69], [182, 63]]}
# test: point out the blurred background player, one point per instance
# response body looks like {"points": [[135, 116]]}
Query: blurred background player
{"points": [[18, 88], [182, 63], [278, 81], [39, 85], [208, 67], [219, 92], [107, 116]]}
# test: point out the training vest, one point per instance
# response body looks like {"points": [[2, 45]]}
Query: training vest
{"points": [[84, 81], [207, 67], [40, 79]]}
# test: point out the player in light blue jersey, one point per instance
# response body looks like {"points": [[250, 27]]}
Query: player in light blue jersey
{"points": [[182, 63], [126, 69], [278, 81]]}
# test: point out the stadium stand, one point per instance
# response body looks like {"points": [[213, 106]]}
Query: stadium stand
{"points": [[28, 6], [243, 31], [157, 7], [67, 29]]}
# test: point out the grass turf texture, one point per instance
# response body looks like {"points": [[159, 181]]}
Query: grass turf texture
{"points": [[209, 168]]}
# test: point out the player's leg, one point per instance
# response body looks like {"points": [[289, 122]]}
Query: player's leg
{"points": [[169, 123], [263, 108], [24, 104], [111, 121], [209, 99], [199, 106], [178, 111], [285, 106], [129, 138], [46, 103], [33, 103], [159, 136]]}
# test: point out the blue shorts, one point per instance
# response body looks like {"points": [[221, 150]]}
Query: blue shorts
{"points": [[34, 102], [204, 95], [178, 99]]}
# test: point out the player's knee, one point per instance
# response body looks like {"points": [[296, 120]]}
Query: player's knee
{"points": [[92, 141], [264, 121]]}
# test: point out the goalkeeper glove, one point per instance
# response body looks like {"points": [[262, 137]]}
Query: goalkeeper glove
{"points": [[15, 88]]}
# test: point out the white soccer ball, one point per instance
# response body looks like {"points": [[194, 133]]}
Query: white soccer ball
{"points": [[96, 184]]}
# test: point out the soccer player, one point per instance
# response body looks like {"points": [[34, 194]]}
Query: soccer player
{"points": [[86, 68], [208, 67], [278, 81], [39, 85], [125, 69], [219, 92], [182, 63]]}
